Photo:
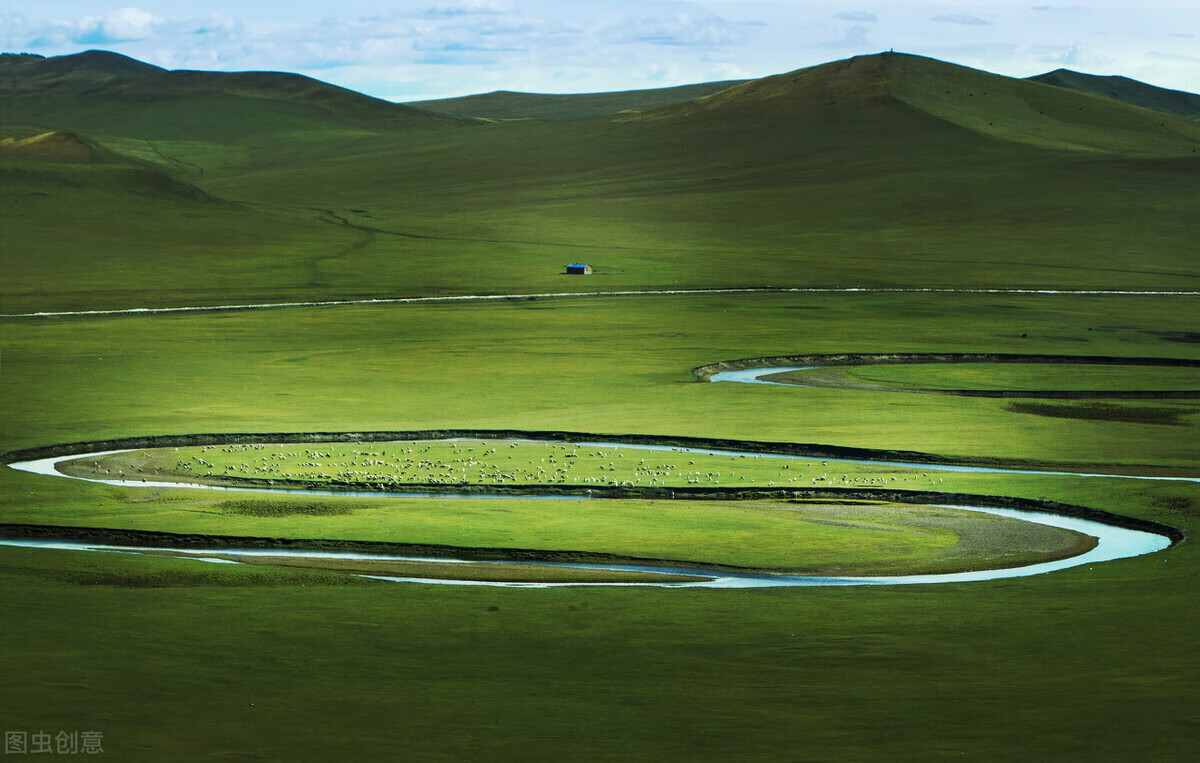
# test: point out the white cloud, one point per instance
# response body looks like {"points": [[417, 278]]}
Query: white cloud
{"points": [[471, 7], [14, 32], [682, 30], [1072, 56], [435, 48], [1160, 56], [856, 38], [856, 16], [961, 18], [214, 24], [123, 25]]}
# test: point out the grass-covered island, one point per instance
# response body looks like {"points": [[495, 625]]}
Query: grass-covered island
{"points": [[797, 535]]}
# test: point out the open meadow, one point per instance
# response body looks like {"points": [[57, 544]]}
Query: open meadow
{"points": [[891, 185]]}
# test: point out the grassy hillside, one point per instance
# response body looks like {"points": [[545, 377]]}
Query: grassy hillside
{"points": [[1176, 102], [1006, 109], [82, 235], [100, 91], [116, 180], [54, 146], [1009, 109], [505, 104], [865, 172], [826, 181]]}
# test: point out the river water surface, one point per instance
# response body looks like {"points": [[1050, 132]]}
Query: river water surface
{"points": [[1112, 542]]}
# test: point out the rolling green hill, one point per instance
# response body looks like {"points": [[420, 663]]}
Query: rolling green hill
{"points": [[1176, 102], [877, 171], [1000, 107], [78, 236], [505, 104], [106, 92]]}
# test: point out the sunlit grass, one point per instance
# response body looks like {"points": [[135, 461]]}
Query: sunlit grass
{"points": [[500, 462], [1028, 376]]}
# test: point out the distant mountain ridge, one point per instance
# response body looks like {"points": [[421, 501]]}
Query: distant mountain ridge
{"points": [[1177, 102], [94, 63], [102, 76], [100, 93], [33, 86], [896, 89], [507, 104]]}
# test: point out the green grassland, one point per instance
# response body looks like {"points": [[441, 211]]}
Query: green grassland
{"points": [[620, 364], [878, 179], [1012, 377], [800, 538], [868, 175], [867, 658]]}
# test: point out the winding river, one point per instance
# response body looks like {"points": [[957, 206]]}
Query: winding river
{"points": [[399, 301], [1113, 542], [758, 376]]}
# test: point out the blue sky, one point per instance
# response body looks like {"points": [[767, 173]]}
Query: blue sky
{"points": [[414, 49]]}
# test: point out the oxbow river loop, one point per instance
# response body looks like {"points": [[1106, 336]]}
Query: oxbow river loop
{"points": [[1112, 541], [1116, 537]]}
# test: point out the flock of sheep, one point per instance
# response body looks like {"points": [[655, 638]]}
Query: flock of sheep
{"points": [[504, 463]]}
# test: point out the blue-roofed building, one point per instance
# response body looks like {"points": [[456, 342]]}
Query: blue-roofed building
{"points": [[579, 268]]}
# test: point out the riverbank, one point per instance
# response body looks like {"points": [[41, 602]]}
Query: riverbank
{"points": [[799, 450]]}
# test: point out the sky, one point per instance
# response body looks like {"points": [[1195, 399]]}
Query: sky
{"points": [[409, 50]]}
